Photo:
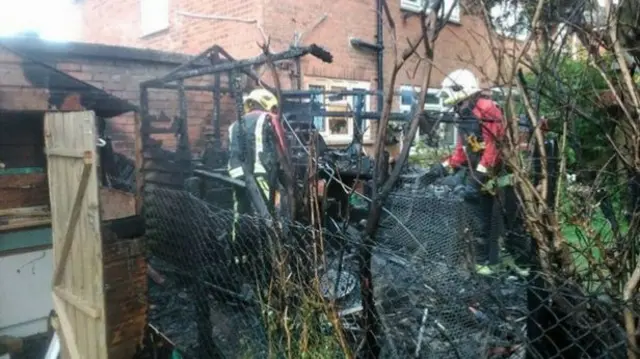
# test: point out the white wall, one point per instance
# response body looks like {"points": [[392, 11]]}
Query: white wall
{"points": [[25, 292]]}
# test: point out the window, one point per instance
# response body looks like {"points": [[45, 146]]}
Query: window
{"points": [[500, 94], [408, 94], [406, 97], [154, 16], [434, 102], [433, 99], [418, 5], [338, 130], [318, 122]]}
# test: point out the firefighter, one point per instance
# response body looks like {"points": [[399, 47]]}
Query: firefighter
{"points": [[517, 242], [480, 127], [263, 138]]}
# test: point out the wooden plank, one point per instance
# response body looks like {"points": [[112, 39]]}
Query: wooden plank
{"points": [[19, 197], [70, 153], [77, 302], [70, 228], [23, 190], [28, 180], [75, 221], [35, 211], [66, 330], [24, 224]]}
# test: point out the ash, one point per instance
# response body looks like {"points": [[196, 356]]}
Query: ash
{"points": [[173, 312], [432, 309]]}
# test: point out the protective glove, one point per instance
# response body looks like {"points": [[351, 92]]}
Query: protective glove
{"points": [[468, 192], [472, 190], [438, 170], [452, 181], [436, 173]]}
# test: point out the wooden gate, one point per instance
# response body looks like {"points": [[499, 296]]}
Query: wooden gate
{"points": [[78, 294]]}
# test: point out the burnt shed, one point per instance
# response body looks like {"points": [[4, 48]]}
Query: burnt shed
{"points": [[28, 89]]}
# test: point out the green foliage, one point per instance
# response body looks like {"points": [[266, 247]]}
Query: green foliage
{"points": [[553, 12], [425, 156], [573, 89]]}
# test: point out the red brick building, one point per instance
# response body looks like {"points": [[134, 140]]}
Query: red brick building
{"points": [[191, 26]]}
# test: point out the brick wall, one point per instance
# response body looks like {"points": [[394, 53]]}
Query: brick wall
{"points": [[122, 78], [459, 45], [119, 71], [117, 22]]}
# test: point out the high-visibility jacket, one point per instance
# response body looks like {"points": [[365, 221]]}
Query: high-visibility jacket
{"points": [[259, 150]]}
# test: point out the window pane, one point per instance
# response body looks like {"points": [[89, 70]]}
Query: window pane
{"points": [[406, 96], [366, 98], [335, 98], [449, 133], [318, 121], [319, 98], [432, 99], [338, 126]]}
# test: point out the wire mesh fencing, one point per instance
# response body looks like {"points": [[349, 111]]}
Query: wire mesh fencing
{"points": [[276, 289], [449, 274]]}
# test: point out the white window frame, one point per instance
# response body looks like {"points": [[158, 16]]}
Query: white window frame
{"points": [[417, 6], [154, 16], [429, 107], [504, 91], [350, 85]]}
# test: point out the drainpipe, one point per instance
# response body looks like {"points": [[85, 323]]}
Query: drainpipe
{"points": [[380, 53], [378, 48]]}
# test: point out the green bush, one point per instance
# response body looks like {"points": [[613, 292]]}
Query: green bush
{"points": [[425, 156], [567, 86]]}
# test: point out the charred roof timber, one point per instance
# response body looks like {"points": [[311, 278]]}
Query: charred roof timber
{"points": [[61, 86], [228, 64]]}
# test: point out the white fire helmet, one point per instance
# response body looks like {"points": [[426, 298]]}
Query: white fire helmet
{"points": [[461, 85]]}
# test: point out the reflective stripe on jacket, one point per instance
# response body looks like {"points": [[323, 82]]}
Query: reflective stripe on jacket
{"points": [[252, 150]]}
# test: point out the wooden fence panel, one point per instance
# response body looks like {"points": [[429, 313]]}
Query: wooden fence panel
{"points": [[78, 291]]}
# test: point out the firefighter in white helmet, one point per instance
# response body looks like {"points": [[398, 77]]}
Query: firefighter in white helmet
{"points": [[264, 137], [480, 128]]}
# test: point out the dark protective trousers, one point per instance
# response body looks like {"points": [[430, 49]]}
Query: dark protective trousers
{"points": [[517, 242], [242, 203], [485, 233]]}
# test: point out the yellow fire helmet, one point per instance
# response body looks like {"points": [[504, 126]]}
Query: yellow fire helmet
{"points": [[262, 98]]}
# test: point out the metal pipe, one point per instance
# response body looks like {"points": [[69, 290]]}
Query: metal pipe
{"points": [[380, 55], [216, 106], [219, 177], [145, 122], [210, 88], [184, 149]]}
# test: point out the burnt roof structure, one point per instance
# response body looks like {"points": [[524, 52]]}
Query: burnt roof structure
{"points": [[29, 84]]}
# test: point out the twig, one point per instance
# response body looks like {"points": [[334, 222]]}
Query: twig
{"points": [[421, 334], [629, 323], [445, 334]]}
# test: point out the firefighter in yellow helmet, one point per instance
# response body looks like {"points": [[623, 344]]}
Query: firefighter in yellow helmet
{"points": [[263, 138]]}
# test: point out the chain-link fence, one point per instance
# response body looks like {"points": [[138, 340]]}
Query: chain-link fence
{"points": [[219, 297], [217, 294], [453, 276]]}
